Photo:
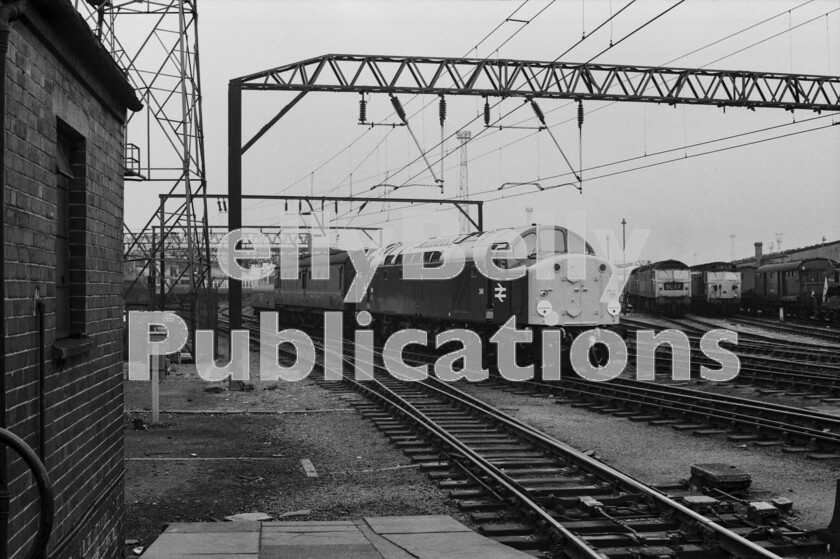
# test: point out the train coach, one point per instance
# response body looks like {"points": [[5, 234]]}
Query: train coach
{"points": [[561, 286], [803, 288], [715, 288], [663, 287]]}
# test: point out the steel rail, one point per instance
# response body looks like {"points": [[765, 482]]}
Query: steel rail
{"points": [[758, 352], [738, 544], [726, 539], [753, 338], [584, 549], [793, 329], [800, 329], [683, 404]]}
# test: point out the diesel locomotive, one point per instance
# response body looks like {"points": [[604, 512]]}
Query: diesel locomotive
{"points": [[561, 284], [715, 288], [663, 287]]}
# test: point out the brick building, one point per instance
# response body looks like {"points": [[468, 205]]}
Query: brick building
{"points": [[66, 103]]}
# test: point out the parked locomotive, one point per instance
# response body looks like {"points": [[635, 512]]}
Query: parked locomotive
{"points": [[562, 286], [663, 287], [803, 288], [715, 288]]}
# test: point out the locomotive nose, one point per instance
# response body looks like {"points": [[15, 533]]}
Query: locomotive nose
{"points": [[573, 289]]}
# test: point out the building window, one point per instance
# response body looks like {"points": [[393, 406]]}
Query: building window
{"points": [[70, 245]]}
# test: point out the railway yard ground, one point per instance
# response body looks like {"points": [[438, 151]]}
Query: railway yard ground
{"points": [[221, 452], [182, 471]]}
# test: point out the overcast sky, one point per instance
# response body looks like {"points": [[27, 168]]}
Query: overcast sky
{"points": [[788, 186]]}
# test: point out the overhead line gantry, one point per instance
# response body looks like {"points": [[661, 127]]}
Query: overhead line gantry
{"points": [[344, 73]]}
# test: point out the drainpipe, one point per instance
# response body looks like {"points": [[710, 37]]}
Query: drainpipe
{"points": [[8, 13]]}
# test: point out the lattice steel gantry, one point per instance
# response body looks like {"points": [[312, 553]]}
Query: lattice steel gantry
{"points": [[158, 48]]}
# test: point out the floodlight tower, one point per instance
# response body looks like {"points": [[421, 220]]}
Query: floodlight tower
{"points": [[156, 43], [463, 186]]}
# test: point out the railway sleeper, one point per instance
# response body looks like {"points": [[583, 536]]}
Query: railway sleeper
{"points": [[487, 439], [537, 482], [496, 447], [507, 529], [468, 505], [689, 551]]}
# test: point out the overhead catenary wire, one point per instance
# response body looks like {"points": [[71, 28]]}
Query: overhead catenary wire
{"points": [[610, 20], [649, 165], [703, 66], [505, 42], [718, 42], [486, 109], [465, 54], [645, 24], [487, 106], [683, 158]]}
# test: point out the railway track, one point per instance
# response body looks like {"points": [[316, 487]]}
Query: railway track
{"points": [[819, 378], [703, 413], [741, 419], [528, 490], [825, 333], [748, 343]]}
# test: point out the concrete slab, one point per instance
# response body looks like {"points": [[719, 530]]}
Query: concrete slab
{"points": [[167, 555], [309, 523], [385, 548], [211, 527], [454, 545], [303, 529], [401, 537], [366, 551], [414, 524], [204, 543], [271, 538]]}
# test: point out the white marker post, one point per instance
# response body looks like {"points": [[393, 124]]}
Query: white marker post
{"points": [[155, 380], [781, 314]]}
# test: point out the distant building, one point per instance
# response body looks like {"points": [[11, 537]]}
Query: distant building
{"points": [[823, 250], [64, 111]]}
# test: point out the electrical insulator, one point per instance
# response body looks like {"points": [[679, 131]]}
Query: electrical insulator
{"points": [[442, 109], [538, 112], [398, 108], [486, 112], [580, 113], [336, 206], [362, 110]]}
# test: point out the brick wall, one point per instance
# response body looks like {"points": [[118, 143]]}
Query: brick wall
{"points": [[84, 398]]}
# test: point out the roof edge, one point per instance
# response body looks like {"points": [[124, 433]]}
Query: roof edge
{"points": [[76, 36]]}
